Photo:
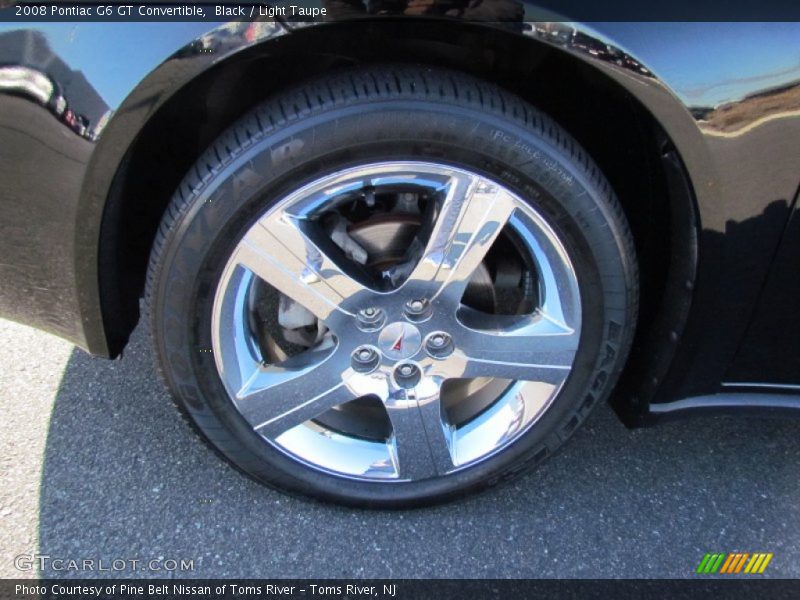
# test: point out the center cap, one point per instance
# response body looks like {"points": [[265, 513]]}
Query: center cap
{"points": [[399, 340]]}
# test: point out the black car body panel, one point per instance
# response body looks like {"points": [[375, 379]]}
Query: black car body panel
{"points": [[726, 96]]}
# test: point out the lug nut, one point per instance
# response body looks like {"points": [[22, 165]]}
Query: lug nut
{"points": [[439, 344], [371, 319], [438, 340], [418, 309], [365, 359], [407, 375]]}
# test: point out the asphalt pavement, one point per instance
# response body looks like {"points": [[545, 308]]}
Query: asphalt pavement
{"points": [[97, 464]]}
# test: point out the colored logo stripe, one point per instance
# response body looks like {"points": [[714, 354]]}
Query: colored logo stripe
{"points": [[758, 563], [710, 563], [734, 562]]}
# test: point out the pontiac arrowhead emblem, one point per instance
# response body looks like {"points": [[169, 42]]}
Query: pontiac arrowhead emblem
{"points": [[398, 345], [399, 340]]}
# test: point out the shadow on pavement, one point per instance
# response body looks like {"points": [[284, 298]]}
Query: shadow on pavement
{"points": [[125, 478]]}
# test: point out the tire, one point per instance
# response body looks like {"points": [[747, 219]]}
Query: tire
{"points": [[447, 125]]}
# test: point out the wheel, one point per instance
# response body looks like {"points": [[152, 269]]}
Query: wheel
{"points": [[391, 287]]}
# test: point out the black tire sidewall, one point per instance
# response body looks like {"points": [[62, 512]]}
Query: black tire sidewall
{"points": [[228, 201]]}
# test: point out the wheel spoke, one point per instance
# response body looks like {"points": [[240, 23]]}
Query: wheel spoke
{"points": [[421, 440], [472, 216], [283, 396], [530, 348], [281, 253]]}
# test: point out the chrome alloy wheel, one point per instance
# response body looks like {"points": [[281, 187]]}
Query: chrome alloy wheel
{"points": [[402, 341]]}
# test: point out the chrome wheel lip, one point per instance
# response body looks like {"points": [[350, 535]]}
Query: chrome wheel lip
{"points": [[237, 357]]}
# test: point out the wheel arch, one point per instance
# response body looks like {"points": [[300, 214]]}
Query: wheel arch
{"points": [[657, 148]]}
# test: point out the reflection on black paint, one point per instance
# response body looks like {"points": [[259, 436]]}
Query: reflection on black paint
{"points": [[230, 36], [564, 34], [509, 14], [737, 117], [33, 71], [50, 116]]}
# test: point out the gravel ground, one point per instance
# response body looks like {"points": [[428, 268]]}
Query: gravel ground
{"points": [[96, 463]]}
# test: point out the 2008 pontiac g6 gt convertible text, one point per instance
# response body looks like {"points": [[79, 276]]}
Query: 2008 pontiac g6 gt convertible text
{"points": [[397, 255]]}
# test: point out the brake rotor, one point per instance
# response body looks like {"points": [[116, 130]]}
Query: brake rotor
{"points": [[386, 239]]}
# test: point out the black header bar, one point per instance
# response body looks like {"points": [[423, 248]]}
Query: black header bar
{"points": [[475, 10]]}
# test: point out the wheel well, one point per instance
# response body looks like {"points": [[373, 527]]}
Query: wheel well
{"points": [[554, 81]]}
